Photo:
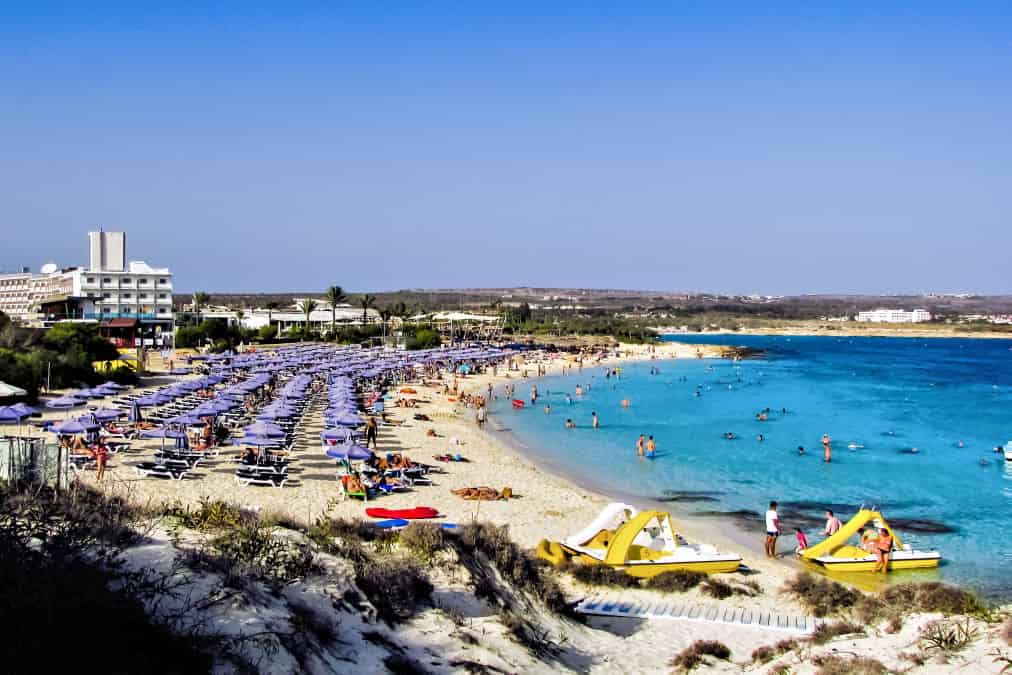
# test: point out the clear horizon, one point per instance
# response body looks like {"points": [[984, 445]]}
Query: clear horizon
{"points": [[858, 150]]}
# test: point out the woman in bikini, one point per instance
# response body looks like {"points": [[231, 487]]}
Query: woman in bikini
{"points": [[883, 546]]}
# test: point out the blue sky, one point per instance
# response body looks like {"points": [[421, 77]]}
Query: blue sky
{"points": [[674, 146]]}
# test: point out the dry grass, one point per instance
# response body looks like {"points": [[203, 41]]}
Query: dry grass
{"points": [[599, 575], [820, 596], [694, 654], [848, 665], [829, 630], [675, 582], [767, 653]]}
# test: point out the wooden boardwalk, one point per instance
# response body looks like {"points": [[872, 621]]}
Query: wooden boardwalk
{"points": [[684, 610]]}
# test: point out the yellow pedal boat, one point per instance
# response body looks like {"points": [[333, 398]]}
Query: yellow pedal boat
{"points": [[835, 553], [644, 544]]}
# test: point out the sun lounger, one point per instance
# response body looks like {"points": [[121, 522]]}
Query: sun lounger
{"points": [[160, 470], [248, 478]]}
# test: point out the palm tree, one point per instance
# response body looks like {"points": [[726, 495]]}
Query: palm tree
{"points": [[334, 295], [239, 314], [271, 306], [401, 310], [366, 301], [307, 306], [200, 299], [385, 315]]}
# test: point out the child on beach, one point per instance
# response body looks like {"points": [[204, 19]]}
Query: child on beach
{"points": [[802, 541]]}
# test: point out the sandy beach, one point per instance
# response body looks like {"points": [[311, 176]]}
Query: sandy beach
{"points": [[545, 505]]}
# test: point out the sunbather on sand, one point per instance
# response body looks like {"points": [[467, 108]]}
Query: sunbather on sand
{"points": [[484, 494]]}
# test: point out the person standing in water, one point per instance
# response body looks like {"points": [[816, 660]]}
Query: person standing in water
{"points": [[593, 419], [534, 394], [772, 530], [827, 450], [639, 445], [651, 447]]}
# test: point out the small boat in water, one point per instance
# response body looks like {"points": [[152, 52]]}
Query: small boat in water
{"points": [[835, 553], [642, 543]]}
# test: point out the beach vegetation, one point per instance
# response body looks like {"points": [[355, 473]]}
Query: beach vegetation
{"points": [[828, 630], [59, 554], [767, 653], [821, 596], [64, 356], [677, 581], [209, 515], [424, 540], [599, 575], [394, 585], [423, 338], [948, 636], [834, 664], [335, 295], [694, 655], [517, 566]]}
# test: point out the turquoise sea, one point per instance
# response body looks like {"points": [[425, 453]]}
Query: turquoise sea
{"points": [[950, 399]]}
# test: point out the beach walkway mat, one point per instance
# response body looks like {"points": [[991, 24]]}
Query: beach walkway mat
{"points": [[684, 610]]}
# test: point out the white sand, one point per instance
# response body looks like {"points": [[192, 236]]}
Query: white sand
{"points": [[547, 506]]}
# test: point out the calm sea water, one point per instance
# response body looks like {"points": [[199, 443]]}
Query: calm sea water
{"points": [[884, 396]]}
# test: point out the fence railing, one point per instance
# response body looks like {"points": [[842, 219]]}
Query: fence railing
{"points": [[35, 461]]}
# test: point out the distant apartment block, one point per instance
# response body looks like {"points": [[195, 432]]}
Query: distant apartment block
{"points": [[894, 316], [130, 300]]}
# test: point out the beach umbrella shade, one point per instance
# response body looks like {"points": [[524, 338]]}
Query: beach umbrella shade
{"points": [[264, 429], [153, 399], [74, 427], [337, 434], [259, 441], [105, 414], [346, 420], [64, 403], [186, 418], [11, 415], [22, 408], [348, 452], [163, 433]]}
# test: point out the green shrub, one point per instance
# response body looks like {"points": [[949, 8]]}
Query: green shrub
{"points": [[678, 581], [424, 540], [189, 337], [424, 339], [693, 655], [209, 515]]}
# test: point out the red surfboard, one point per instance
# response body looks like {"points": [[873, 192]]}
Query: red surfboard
{"points": [[407, 514]]}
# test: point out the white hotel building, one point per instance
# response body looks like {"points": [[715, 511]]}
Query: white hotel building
{"points": [[131, 299], [894, 316]]}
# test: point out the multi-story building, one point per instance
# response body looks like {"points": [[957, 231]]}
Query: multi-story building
{"points": [[131, 301], [14, 297], [894, 316]]}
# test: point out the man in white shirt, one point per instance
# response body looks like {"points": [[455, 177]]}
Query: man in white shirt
{"points": [[772, 530], [833, 524]]}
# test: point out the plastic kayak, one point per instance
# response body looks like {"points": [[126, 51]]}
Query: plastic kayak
{"points": [[401, 523], [407, 514]]}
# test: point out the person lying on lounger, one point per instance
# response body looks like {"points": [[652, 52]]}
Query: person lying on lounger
{"points": [[353, 484]]}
